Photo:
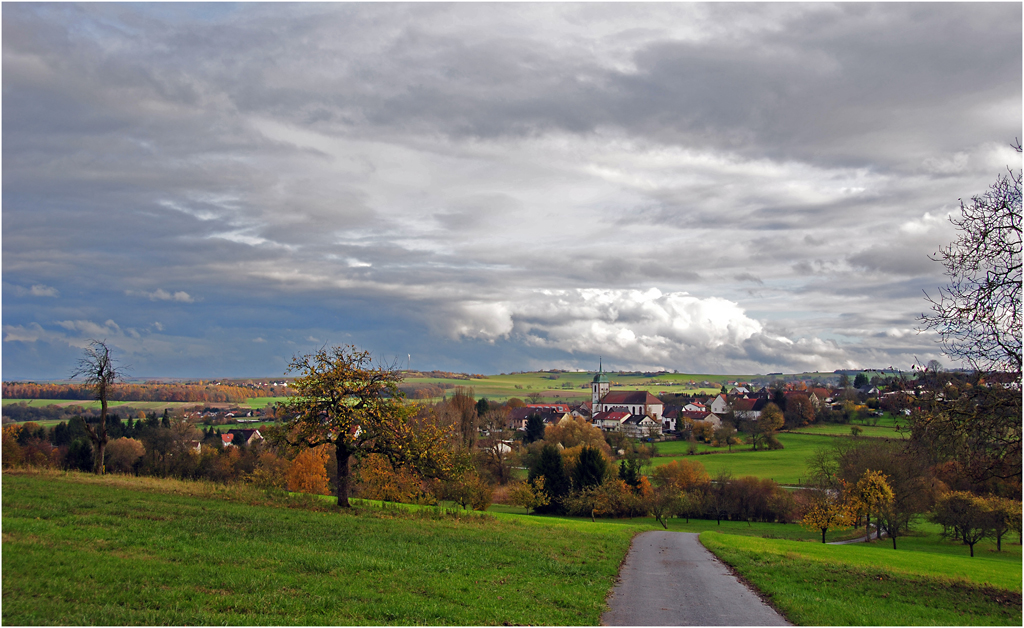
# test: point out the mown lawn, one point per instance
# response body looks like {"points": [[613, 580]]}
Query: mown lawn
{"points": [[857, 585], [82, 550]]}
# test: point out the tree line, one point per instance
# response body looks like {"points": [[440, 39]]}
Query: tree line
{"points": [[199, 393]]}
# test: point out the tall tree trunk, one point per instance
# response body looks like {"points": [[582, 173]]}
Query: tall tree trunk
{"points": [[344, 456], [101, 438]]}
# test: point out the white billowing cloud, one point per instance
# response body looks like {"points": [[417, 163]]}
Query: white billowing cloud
{"points": [[40, 290], [630, 326], [477, 320], [922, 225], [91, 329], [24, 333], [37, 290], [162, 295]]}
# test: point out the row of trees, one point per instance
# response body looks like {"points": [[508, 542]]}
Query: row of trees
{"points": [[208, 393]]}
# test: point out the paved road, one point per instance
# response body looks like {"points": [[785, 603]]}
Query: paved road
{"points": [[669, 579], [876, 534]]}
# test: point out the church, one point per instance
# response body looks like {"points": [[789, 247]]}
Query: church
{"points": [[635, 402]]}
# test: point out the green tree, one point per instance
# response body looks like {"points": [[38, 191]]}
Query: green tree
{"points": [[1004, 515], [629, 470], [551, 467], [534, 428], [79, 456], [590, 469], [345, 400], [529, 495], [964, 516]]}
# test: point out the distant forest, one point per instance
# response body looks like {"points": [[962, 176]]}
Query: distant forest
{"points": [[199, 393]]}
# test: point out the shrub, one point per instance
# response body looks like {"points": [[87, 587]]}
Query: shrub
{"points": [[308, 474]]}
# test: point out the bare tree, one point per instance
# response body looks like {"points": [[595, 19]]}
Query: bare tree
{"points": [[99, 371], [977, 314], [976, 422]]}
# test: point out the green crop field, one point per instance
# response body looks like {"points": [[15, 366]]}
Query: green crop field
{"points": [[80, 550], [257, 403], [551, 385], [874, 585]]}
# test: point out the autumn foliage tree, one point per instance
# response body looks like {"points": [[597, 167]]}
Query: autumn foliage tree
{"points": [[870, 495], [308, 473], [828, 510], [123, 453], [530, 495], [345, 400], [764, 428], [963, 516]]}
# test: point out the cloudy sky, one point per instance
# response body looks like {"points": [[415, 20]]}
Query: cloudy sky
{"points": [[724, 188]]}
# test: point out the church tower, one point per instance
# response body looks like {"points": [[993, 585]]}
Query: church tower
{"points": [[599, 386]]}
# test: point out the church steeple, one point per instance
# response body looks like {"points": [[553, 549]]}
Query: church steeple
{"points": [[599, 386]]}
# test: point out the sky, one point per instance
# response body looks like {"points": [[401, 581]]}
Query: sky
{"points": [[708, 188]]}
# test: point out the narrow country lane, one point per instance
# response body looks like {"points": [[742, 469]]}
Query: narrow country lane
{"points": [[670, 579]]}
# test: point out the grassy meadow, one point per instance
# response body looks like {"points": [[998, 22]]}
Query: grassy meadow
{"points": [[785, 466], [83, 550], [861, 584], [80, 549]]}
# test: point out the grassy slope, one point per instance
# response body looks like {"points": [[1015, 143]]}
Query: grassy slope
{"points": [[80, 550], [815, 584]]}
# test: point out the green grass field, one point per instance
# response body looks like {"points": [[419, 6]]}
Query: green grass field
{"points": [[503, 387], [785, 466], [859, 585], [80, 550]]}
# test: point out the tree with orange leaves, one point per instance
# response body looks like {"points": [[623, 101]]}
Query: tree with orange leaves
{"points": [[308, 472], [344, 399]]}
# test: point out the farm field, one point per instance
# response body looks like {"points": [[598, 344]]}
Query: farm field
{"points": [[95, 405], [503, 387], [551, 386], [139, 551], [785, 466], [858, 585], [257, 403]]}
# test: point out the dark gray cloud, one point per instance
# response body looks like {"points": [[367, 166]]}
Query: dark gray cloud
{"points": [[212, 186]]}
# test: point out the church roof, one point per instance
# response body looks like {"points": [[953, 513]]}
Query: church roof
{"points": [[630, 397]]}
